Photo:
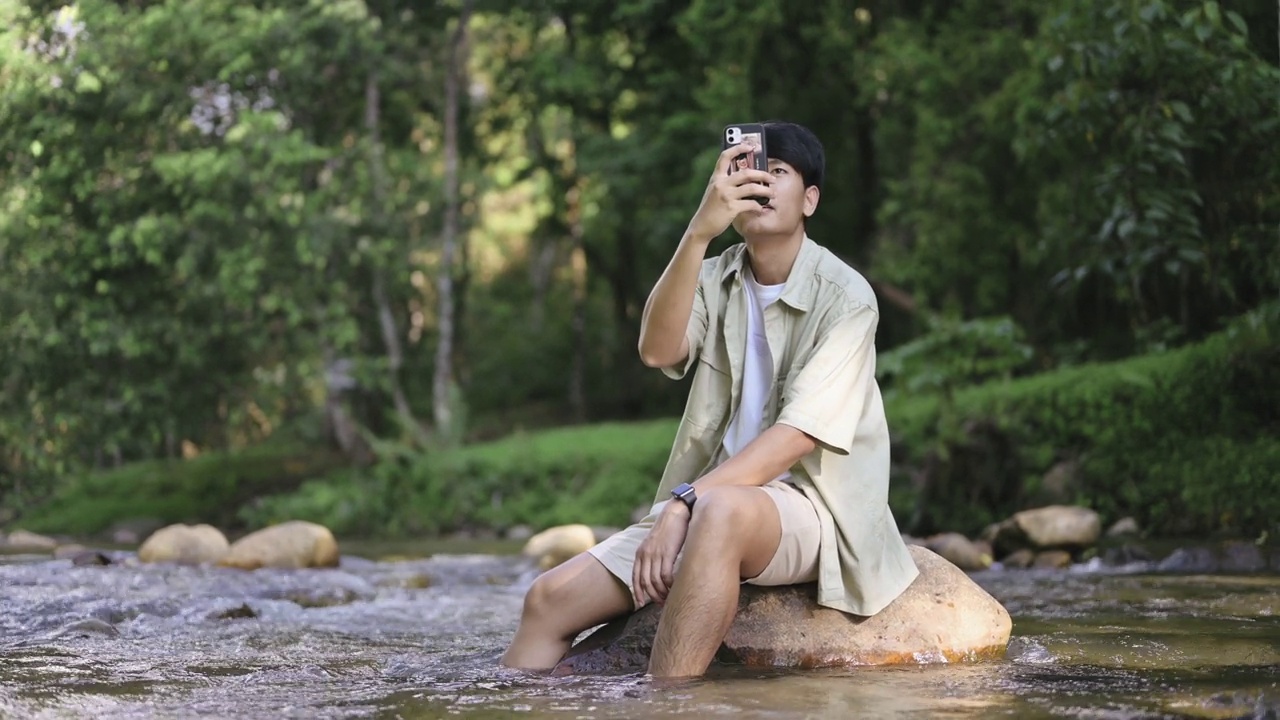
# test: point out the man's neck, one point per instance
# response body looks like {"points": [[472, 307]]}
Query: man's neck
{"points": [[772, 258]]}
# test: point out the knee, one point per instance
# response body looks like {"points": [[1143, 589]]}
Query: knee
{"points": [[722, 513], [542, 597]]}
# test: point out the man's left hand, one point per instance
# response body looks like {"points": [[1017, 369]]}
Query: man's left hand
{"points": [[653, 572]]}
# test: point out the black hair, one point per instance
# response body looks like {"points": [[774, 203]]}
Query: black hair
{"points": [[797, 146]]}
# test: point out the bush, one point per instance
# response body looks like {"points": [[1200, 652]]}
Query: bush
{"points": [[208, 488], [595, 475], [1182, 440]]}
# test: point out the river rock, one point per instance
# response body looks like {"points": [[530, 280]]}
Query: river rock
{"points": [[944, 616], [24, 541], [292, 544], [1019, 559], [557, 544], [958, 549], [1052, 560], [1123, 527], [1053, 527], [184, 544]]}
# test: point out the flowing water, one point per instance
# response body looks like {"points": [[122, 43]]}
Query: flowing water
{"points": [[420, 638]]}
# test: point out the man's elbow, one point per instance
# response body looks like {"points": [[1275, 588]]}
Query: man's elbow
{"points": [[655, 360]]}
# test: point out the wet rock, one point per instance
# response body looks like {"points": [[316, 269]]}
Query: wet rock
{"points": [[88, 628], [1123, 527], [1125, 554], [1183, 560], [293, 544], [1054, 527], [23, 541], [184, 544], [240, 612], [82, 557], [1052, 560], [1019, 559], [910, 540], [944, 616], [63, 552], [959, 550], [1242, 556], [557, 544]]}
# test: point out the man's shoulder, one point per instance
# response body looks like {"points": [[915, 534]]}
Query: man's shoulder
{"points": [[842, 287]]}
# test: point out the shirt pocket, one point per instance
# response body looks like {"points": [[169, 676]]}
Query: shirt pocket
{"points": [[710, 394]]}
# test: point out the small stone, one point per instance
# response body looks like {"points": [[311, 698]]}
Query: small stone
{"points": [[1019, 559], [1052, 560], [557, 544], [24, 541], [1123, 527]]}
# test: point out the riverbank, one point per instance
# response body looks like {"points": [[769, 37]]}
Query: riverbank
{"points": [[1183, 441]]}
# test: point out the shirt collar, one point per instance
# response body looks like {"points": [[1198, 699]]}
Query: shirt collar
{"points": [[797, 293]]}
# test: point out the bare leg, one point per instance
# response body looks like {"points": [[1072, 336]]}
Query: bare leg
{"points": [[733, 534], [563, 602]]}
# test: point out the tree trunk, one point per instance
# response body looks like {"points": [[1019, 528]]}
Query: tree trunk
{"points": [[386, 318], [578, 367], [442, 384]]}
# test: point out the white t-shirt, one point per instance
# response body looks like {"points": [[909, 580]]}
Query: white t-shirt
{"points": [[757, 371]]}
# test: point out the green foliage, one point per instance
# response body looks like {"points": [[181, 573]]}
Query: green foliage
{"points": [[595, 475], [1182, 440], [205, 489]]}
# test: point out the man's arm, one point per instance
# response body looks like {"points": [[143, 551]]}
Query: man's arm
{"points": [[665, 322], [663, 337], [772, 453]]}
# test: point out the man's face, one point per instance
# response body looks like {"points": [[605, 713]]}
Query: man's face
{"points": [[792, 202]]}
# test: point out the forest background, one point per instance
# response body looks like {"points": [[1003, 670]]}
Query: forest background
{"points": [[381, 263]]}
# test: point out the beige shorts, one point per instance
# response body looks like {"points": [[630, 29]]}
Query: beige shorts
{"points": [[796, 560]]}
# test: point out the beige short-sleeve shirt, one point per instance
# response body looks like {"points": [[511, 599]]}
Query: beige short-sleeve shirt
{"points": [[821, 333]]}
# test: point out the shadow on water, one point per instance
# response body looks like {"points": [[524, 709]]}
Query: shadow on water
{"points": [[420, 637]]}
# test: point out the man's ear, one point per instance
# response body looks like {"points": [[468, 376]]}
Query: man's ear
{"points": [[811, 194]]}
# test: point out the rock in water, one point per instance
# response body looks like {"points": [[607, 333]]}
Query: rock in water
{"points": [[184, 544], [558, 544], [944, 616], [293, 544], [961, 551], [1054, 527]]}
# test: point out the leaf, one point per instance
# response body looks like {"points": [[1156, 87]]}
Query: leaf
{"points": [[87, 82], [37, 148]]}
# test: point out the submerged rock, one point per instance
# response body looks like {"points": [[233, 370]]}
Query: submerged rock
{"points": [[944, 616], [293, 544], [184, 544]]}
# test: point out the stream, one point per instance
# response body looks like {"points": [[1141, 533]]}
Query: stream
{"points": [[416, 630]]}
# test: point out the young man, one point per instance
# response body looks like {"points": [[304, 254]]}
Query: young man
{"points": [[779, 472]]}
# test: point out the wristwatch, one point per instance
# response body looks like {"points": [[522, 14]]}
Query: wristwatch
{"points": [[684, 493]]}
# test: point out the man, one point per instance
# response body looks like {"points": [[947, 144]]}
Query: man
{"points": [[780, 468]]}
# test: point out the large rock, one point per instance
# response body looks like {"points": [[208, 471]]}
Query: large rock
{"points": [[944, 616], [293, 544], [960, 550], [1053, 527], [184, 544], [24, 541], [557, 544]]}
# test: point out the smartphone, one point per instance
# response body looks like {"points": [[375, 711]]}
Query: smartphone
{"points": [[757, 158]]}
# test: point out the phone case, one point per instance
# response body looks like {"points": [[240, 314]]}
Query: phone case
{"points": [[758, 158]]}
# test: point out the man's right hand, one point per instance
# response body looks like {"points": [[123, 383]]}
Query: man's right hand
{"points": [[729, 195]]}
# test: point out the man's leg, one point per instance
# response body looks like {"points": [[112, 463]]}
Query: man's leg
{"points": [[563, 602], [733, 534]]}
